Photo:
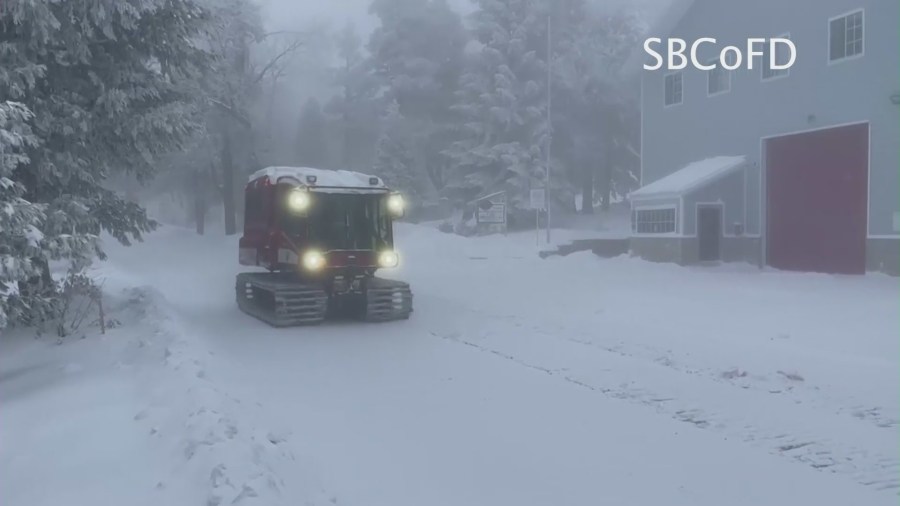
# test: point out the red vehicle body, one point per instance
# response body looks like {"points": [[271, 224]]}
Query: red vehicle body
{"points": [[269, 242], [321, 235]]}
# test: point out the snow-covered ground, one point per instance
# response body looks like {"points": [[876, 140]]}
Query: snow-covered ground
{"points": [[517, 381]]}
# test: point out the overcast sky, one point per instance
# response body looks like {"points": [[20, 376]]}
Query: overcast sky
{"points": [[294, 13]]}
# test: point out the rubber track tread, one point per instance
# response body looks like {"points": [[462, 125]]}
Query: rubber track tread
{"points": [[387, 300], [281, 300]]}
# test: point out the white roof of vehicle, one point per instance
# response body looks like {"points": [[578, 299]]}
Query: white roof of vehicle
{"points": [[690, 177], [325, 180]]}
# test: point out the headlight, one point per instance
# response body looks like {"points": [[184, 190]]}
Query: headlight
{"points": [[298, 200], [395, 204], [313, 260], [388, 259]]}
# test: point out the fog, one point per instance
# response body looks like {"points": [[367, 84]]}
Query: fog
{"points": [[283, 14], [444, 106], [329, 102]]}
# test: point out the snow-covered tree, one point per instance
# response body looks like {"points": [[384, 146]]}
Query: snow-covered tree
{"points": [[417, 53], [236, 25], [20, 220], [247, 64], [394, 161], [595, 115], [354, 111], [502, 101], [106, 86]]}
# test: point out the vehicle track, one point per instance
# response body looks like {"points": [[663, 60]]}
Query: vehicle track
{"points": [[870, 467]]}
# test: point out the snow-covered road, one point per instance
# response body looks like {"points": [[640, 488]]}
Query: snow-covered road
{"points": [[566, 381]]}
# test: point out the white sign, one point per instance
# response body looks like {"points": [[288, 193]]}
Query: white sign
{"points": [[494, 214], [538, 199]]}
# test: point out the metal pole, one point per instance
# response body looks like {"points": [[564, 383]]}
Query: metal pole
{"points": [[549, 124]]}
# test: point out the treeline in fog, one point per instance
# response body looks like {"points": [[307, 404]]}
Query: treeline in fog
{"points": [[108, 103]]}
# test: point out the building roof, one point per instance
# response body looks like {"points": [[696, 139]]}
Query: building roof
{"points": [[663, 27], [324, 180], [689, 178]]}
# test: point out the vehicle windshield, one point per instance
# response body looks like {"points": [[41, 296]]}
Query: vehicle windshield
{"points": [[349, 222]]}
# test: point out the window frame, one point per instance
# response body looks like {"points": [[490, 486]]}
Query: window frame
{"points": [[679, 74], [833, 61], [764, 64], [635, 221], [718, 62], [256, 212]]}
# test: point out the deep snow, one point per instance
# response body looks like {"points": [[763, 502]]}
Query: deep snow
{"points": [[517, 381]]}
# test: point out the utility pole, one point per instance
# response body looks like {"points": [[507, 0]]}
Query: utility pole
{"points": [[549, 123]]}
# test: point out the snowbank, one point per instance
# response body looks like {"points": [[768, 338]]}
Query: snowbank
{"points": [[132, 417]]}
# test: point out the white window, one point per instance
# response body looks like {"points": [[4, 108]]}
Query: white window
{"points": [[718, 80], [653, 221], [674, 90], [845, 35], [782, 57]]}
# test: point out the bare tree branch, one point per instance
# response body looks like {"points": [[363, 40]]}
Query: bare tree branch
{"points": [[237, 116], [274, 61], [281, 32]]}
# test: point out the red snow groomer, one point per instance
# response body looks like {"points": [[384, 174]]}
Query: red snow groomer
{"points": [[322, 235]]}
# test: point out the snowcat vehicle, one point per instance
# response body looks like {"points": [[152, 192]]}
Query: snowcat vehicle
{"points": [[321, 235]]}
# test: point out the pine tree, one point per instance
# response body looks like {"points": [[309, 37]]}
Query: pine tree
{"points": [[394, 162], [354, 112], [503, 103], [417, 51], [595, 116], [417, 54], [106, 86], [20, 220], [235, 25]]}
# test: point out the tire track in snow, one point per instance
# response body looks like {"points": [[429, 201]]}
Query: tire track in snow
{"points": [[793, 385], [791, 382], [874, 416], [867, 468]]}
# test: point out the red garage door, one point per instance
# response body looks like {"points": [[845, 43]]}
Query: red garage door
{"points": [[817, 184]]}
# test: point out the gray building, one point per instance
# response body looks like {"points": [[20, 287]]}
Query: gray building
{"points": [[799, 168]]}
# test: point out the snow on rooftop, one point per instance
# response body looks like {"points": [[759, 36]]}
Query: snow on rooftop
{"points": [[323, 177], [690, 177]]}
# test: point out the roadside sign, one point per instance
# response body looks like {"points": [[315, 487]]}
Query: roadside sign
{"points": [[538, 198], [494, 214]]}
